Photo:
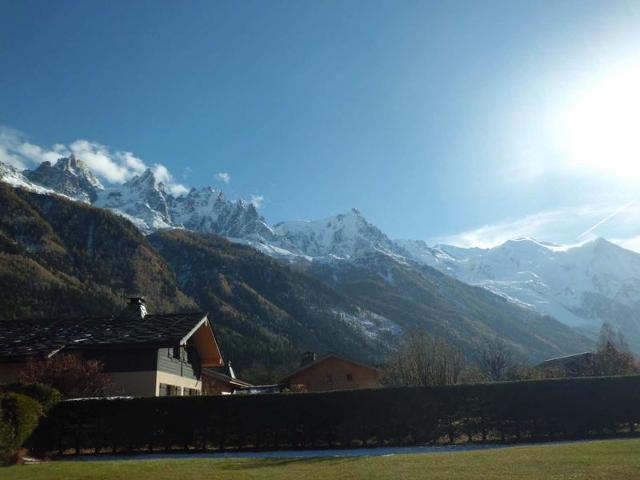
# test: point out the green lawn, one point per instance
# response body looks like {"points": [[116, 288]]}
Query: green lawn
{"points": [[615, 459]]}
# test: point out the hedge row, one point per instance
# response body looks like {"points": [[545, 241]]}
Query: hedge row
{"points": [[548, 409], [21, 407]]}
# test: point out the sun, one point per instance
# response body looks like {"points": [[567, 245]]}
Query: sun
{"points": [[599, 129]]}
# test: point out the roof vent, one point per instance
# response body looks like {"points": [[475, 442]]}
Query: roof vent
{"points": [[136, 307]]}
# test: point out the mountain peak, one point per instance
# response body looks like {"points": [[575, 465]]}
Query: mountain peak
{"points": [[78, 168], [146, 181], [68, 176], [147, 176], [601, 241], [68, 164]]}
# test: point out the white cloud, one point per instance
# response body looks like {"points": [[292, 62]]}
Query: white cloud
{"points": [[177, 189], [187, 171], [257, 200], [37, 154], [568, 226], [114, 166], [10, 143], [163, 175], [223, 177], [631, 243], [536, 225], [111, 167], [13, 160], [131, 161]]}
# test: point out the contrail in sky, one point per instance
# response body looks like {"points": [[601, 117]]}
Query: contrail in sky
{"points": [[605, 219]]}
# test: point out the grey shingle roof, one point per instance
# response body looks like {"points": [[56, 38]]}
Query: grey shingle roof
{"points": [[41, 337]]}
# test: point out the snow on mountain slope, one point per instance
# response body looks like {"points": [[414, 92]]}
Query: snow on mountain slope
{"points": [[344, 236], [150, 206], [581, 286], [207, 210], [142, 198], [68, 176], [14, 177], [419, 251], [342, 243]]}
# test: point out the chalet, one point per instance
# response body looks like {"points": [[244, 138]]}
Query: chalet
{"points": [[145, 355], [331, 372]]}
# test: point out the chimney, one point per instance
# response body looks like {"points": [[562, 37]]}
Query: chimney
{"points": [[136, 308], [307, 358], [229, 370]]}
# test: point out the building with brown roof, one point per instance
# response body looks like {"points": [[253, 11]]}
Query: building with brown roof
{"points": [[331, 372], [576, 365]]}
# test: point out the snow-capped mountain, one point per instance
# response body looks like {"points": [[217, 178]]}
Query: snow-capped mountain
{"points": [[581, 286], [207, 210], [69, 177], [16, 178], [150, 206], [142, 199], [146, 202], [343, 236]]}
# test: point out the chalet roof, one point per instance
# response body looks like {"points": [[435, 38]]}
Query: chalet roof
{"points": [[44, 337], [323, 359], [220, 375], [566, 358]]}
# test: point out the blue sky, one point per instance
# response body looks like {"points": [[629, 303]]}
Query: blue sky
{"points": [[468, 122]]}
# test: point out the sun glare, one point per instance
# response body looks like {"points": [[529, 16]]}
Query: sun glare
{"points": [[600, 129]]}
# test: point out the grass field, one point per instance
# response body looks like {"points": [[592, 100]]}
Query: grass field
{"points": [[608, 459]]}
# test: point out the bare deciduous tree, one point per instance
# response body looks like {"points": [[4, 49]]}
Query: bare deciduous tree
{"points": [[424, 361], [69, 374], [495, 360], [613, 356]]}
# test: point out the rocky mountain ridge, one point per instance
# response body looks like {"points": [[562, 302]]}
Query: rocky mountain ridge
{"points": [[582, 286], [60, 257], [575, 285]]}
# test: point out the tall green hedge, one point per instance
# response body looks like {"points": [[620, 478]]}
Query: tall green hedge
{"points": [[19, 417], [47, 396], [548, 409]]}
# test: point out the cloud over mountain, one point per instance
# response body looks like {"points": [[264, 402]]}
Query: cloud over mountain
{"points": [[114, 166]]}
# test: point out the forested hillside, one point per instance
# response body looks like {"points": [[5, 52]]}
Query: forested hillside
{"points": [[466, 316], [62, 258], [266, 312]]}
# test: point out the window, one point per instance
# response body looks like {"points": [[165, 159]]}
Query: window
{"points": [[167, 390], [175, 353], [163, 392], [329, 378], [349, 377]]}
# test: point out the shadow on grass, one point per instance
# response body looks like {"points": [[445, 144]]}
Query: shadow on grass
{"points": [[282, 462]]}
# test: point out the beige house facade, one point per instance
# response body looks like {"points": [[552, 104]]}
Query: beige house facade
{"points": [[145, 355]]}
